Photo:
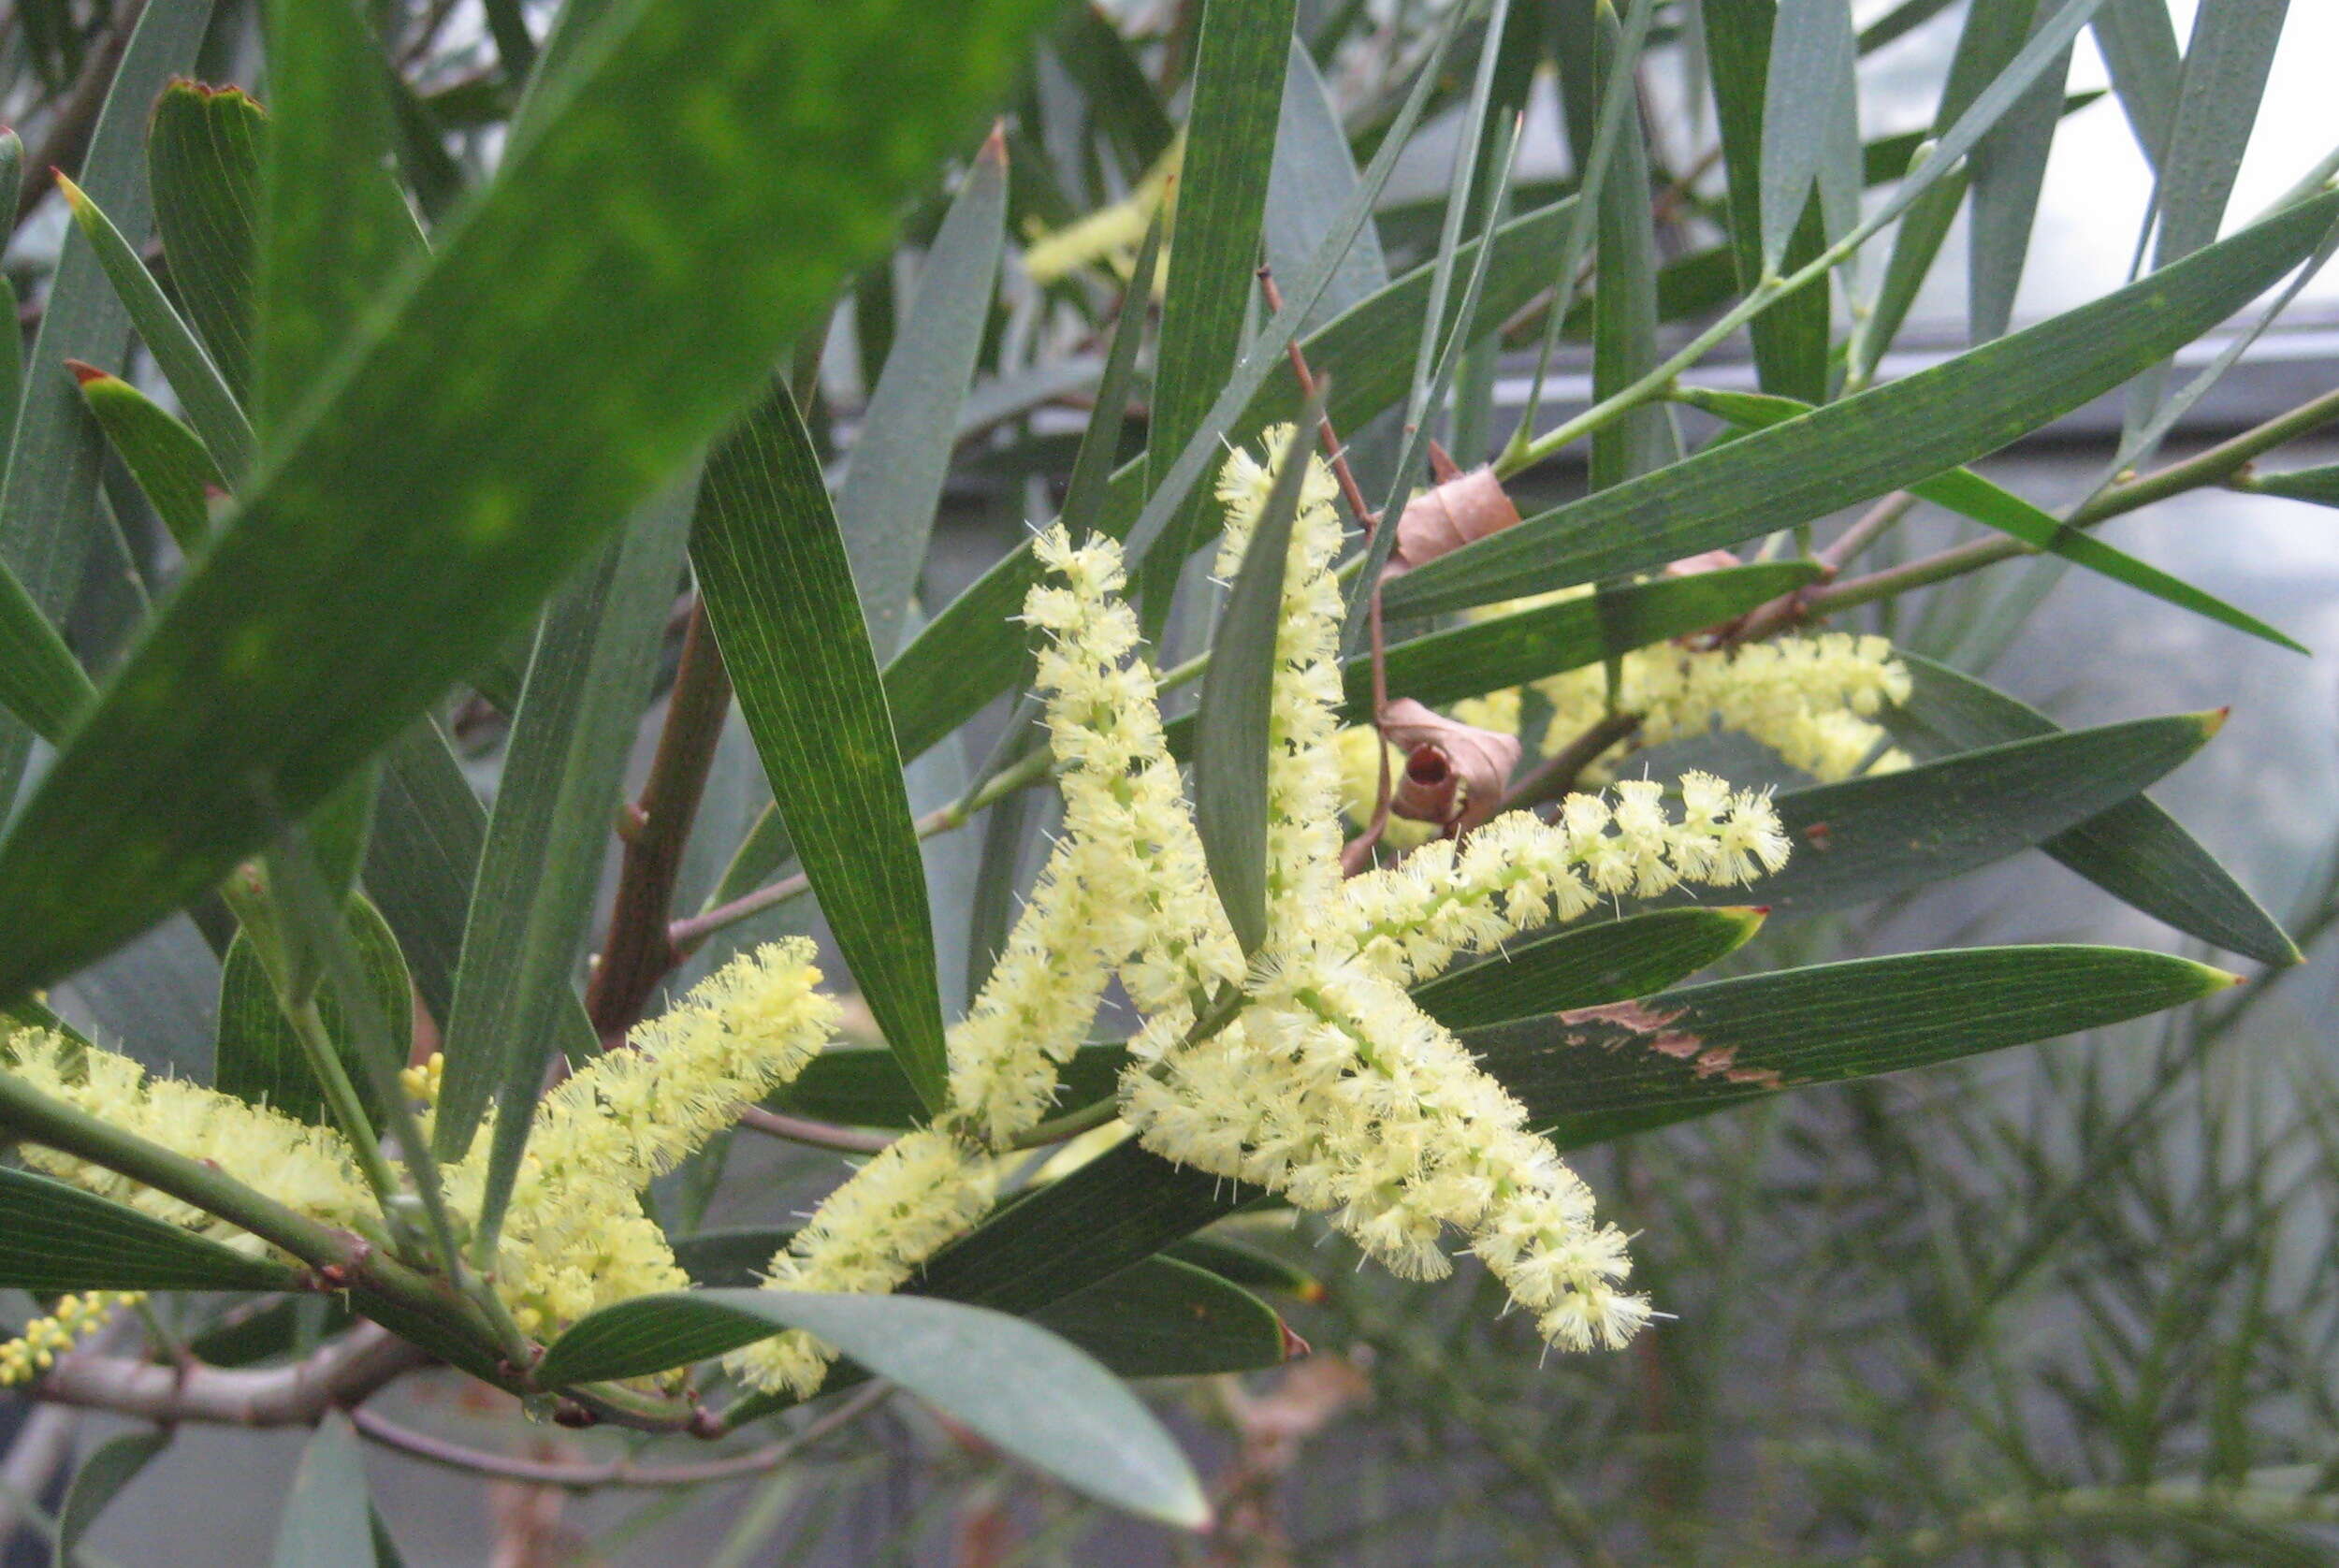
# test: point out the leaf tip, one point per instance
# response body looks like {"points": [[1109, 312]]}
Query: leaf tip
{"points": [[1294, 1347], [2214, 720], [84, 372], [995, 145]]}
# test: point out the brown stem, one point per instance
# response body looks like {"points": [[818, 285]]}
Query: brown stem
{"points": [[640, 953], [344, 1372], [614, 1473], [1557, 775], [67, 141], [1335, 453]]}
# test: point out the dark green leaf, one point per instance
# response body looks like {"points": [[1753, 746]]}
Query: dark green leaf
{"points": [[1167, 1318], [1612, 962], [48, 499], [2317, 484], [2138, 42], [866, 1088], [261, 1060], [55, 1238], [1060, 1412], [1967, 493], [1625, 292], [337, 231], [1810, 60], [165, 458], [1157, 1320], [540, 866], [112, 1465], [204, 152], [1874, 837], [184, 362], [1790, 340], [893, 480], [2226, 64], [780, 594], [1120, 93], [1230, 723], [1857, 448], [1599, 1073], [429, 834], [492, 430], [2136, 852], [1246, 1266], [2006, 171], [41, 683], [1237, 77], [329, 1518]]}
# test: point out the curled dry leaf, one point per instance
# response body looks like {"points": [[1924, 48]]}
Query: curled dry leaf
{"points": [[1461, 783], [1458, 510]]}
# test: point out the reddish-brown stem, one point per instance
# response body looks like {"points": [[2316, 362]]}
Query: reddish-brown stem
{"points": [[1556, 776], [69, 131], [639, 952]]}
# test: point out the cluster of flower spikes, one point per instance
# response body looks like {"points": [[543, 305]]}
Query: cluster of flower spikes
{"points": [[575, 1237], [1124, 894], [1811, 699], [1330, 1086]]}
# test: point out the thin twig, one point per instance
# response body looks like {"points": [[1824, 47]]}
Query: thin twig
{"points": [[641, 951], [820, 1134], [1557, 775], [614, 1473]]}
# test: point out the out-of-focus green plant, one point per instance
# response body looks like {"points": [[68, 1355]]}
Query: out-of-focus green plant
{"points": [[430, 384]]}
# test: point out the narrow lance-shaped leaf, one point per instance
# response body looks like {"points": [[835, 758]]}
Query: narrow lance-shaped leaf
{"points": [[1884, 834], [2008, 168], [58, 1238], [1599, 1073], [203, 152], [112, 1465], [773, 569], [1625, 292], [1059, 1411], [495, 425], [41, 683], [168, 338], [1789, 340], [2136, 852], [1810, 53], [540, 867], [337, 230], [894, 479], [1992, 36], [328, 1516], [1231, 728], [166, 458], [48, 497], [2138, 43], [1238, 75], [1971, 495], [1861, 446], [2226, 64], [1588, 966]]}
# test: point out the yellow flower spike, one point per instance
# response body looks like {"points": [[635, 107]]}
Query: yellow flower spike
{"points": [[76, 1317]]}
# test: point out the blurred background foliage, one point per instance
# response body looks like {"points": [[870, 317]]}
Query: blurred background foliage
{"points": [[2073, 1304]]}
